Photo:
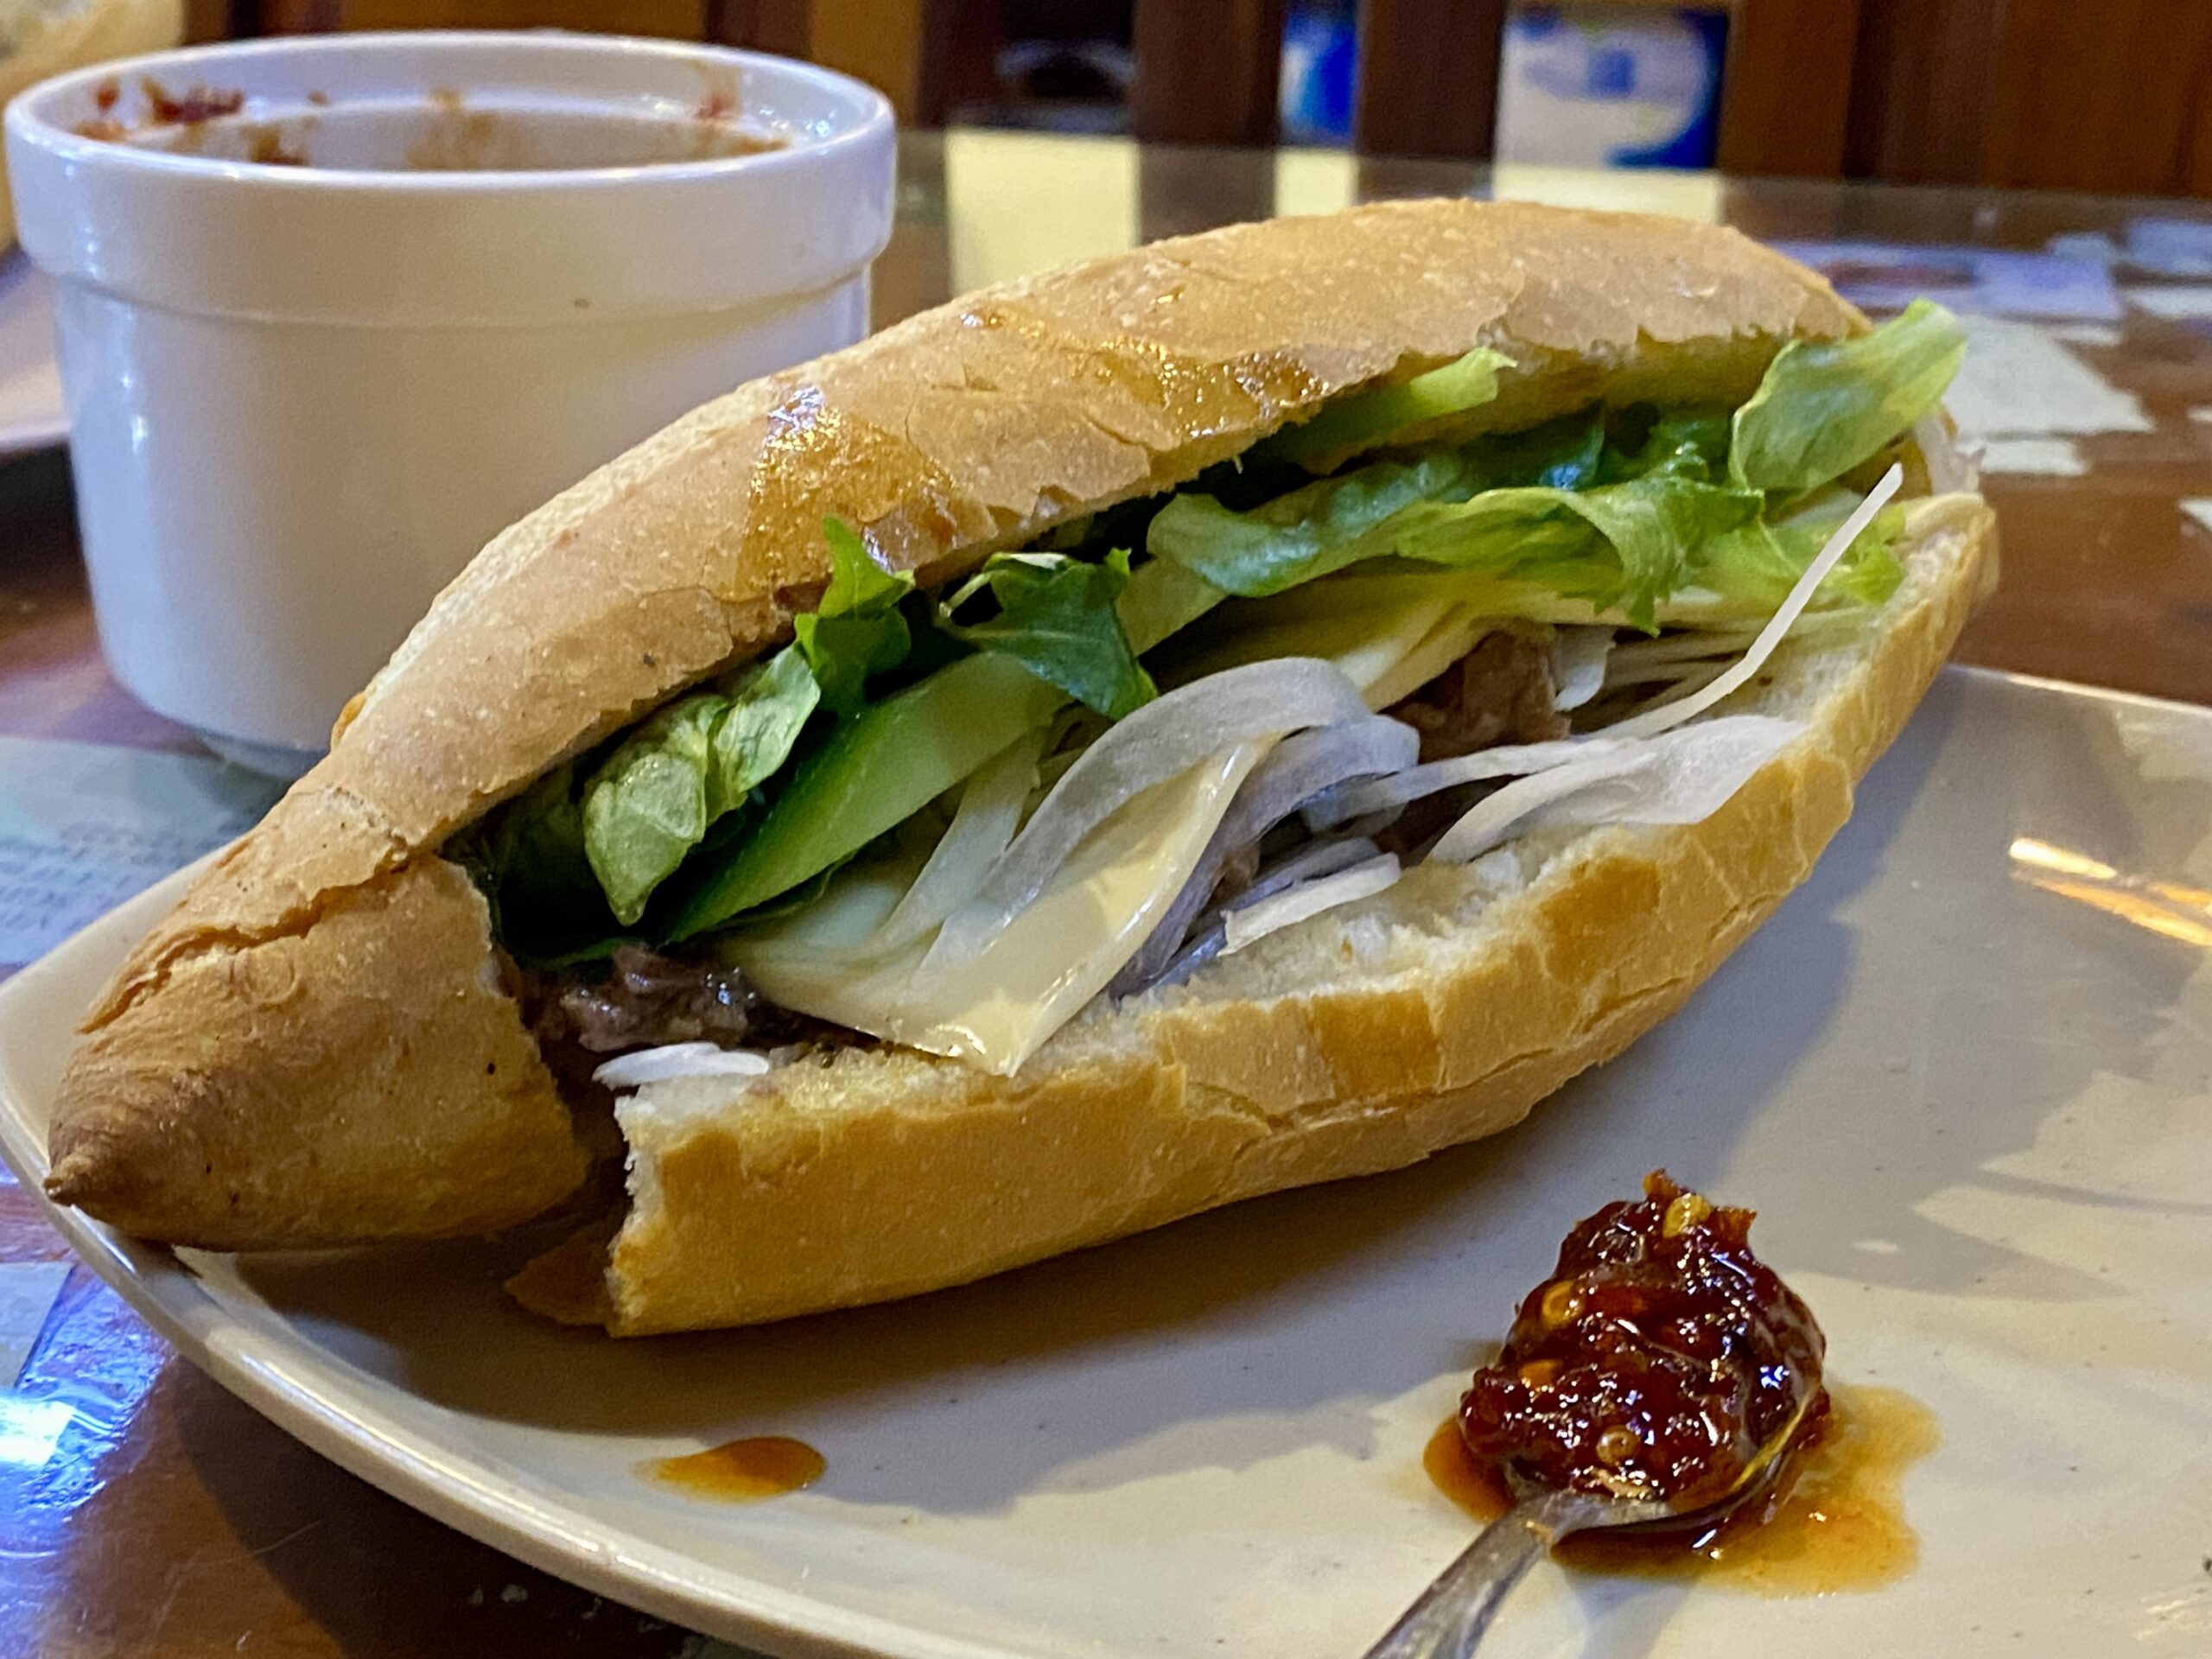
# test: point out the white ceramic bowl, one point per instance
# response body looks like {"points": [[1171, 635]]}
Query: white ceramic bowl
{"points": [[301, 396]]}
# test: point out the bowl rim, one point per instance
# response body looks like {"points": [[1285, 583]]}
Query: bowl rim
{"points": [[29, 123]]}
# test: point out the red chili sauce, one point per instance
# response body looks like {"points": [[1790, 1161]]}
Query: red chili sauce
{"points": [[1654, 1364]]}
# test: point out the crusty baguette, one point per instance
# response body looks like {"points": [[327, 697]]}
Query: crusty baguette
{"points": [[1436, 1013], [312, 1043]]}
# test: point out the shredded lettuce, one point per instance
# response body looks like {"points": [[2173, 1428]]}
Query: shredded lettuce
{"points": [[1307, 533], [1366, 418], [1567, 453], [1056, 617], [1825, 406], [1691, 443], [529, 861], [858, 631], [876, 769], [1747, 572], [740, 796], [1622, 545], [651, 801]]}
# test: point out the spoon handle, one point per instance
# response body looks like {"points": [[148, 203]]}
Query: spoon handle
{"points": [[1451, 1614]]}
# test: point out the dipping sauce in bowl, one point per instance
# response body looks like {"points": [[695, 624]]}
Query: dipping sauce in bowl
{"points": [[441, 130], [333, 310]]}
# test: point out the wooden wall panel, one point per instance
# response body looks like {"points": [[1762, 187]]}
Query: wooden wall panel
{"points": [[1208, 71], [879, 41], [682, 19], [782, 26], [2114, 96], [1426, 79], [209, 20], [1923, 76], [1786, 90]]}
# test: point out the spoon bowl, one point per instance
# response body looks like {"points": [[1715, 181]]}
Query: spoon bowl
{"points": [[1449, 1617]]}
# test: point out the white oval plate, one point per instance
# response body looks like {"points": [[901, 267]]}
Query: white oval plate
{"points": [[1963, 1074], [31, 416]]}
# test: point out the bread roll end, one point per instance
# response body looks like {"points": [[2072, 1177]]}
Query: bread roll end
{"points": [[256, 1093]]}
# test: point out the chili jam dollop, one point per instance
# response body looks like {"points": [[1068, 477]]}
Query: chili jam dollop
{"points": [[1655, 1362]]}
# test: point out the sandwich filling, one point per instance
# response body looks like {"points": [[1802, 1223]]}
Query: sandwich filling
{"points": [[1175, 727]]}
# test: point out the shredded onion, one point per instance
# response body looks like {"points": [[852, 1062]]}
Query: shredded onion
{"points": [[990, 812], [1177, 948], [1653, 722], [1672, 650], [1167, 737], [1676, 683], [1950, 469], [1316, 858], [1336, 806], [1306, 899], [1302, 766], [1678, 777], [1299, 768], [1578, 660], [645, 1065]]}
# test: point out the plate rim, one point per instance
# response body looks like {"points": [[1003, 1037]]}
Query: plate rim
{"points": [[471, 1494], [23, 438]]}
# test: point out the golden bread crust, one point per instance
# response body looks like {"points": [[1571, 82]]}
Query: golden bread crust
{"points": [[967, 428], [825, 1187], [321, 1086]]}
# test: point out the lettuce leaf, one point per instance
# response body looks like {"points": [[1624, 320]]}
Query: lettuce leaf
{"points": [[1056, 617], [1307, 533], [1691, 443], [1334, 522], [651, 802], [1827, 406], [877, 770], [858, 631], [1751, 570], [1364, 419], [528, 858], [1624, 544], [1623, 547]]}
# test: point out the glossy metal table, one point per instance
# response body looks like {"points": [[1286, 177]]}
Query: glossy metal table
{"points": [[171, 1523]]}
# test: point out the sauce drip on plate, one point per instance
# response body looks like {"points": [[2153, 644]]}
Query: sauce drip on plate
{"points": [[1835, 1522], [743, 1471]]}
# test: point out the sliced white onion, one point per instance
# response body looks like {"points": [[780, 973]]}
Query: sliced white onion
{"points": [[1316, 858], [1302, 766], [1669, 674], [1578, 659], [1185, 939], [1306, 899], [990, 812], [1675, 683], [1673, 648], [1677, 777], [1337, 807], [1167, 737], [1652, 723], [1950, 468], [1299, 768], [644, 1066]]}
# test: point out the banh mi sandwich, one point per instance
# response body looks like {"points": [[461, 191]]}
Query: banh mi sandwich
{"points": [[1252, 710]]}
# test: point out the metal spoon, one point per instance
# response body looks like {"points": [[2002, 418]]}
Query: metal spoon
{"points": [[1451, 1615]]}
